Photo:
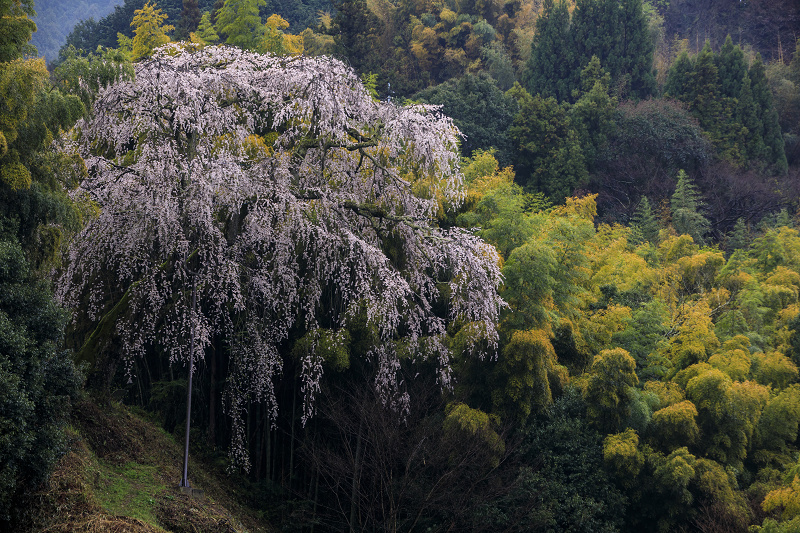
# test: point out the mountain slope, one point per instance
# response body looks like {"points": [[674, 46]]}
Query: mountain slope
{"points": [[122, 475], [769, 26]]}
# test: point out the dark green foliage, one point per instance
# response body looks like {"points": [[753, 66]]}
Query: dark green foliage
{"points": [[615, 31], [498, 64], [592, 115], [679, 77], [774, 153], [739, 238], [481, 111], [37, 381], [704, 91], [189, 21], [650, 141], [549, 154], [748, 116], [355, 31], [733, 105], [732, 68], [549, 70], [88, 34], [564, 486]]}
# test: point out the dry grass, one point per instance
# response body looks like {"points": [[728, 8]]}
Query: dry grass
{"points": [[122, 475], [104, 524]]}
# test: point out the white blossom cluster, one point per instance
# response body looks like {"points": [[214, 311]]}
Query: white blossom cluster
{"points": [[277, 186]]}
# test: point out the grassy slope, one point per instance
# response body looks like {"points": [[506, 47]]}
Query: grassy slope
{"points": [[122, 475]]}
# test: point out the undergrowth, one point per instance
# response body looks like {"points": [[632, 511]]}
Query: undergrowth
{"points": [[122, 475]]}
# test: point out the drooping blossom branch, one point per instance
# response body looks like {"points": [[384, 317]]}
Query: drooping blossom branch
{"points": [[271, 182]]}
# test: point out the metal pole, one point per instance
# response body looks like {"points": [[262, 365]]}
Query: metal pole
{"points": [[185, 479]]}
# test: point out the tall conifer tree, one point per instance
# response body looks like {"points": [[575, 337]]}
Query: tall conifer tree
{"points": [[739, 237], [747, 115], [773, 138], [550, 68], [679, 77], [206, 30], [704, 91], [239, 21], [685, 205], [616, 31], [189, 20], [732, 68], [644, 224], [355, 31], [636, 50]]}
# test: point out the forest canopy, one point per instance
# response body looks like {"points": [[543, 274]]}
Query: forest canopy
{"points": [[478, 266]]}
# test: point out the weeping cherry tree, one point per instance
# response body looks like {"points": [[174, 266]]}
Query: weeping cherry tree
{"points": [[293, 202]]}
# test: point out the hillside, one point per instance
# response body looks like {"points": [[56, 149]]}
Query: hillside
{"points": [[770, 27], [55, 19], [122, 474]]}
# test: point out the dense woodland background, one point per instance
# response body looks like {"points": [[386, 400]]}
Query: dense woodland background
{"points": [[635, 164]]}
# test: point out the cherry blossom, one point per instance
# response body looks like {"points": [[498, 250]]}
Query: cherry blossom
{"points": [[276, 185]]}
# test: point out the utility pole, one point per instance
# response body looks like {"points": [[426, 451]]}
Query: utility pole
{"points": [[185, 479]]}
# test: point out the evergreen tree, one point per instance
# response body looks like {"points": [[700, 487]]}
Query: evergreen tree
{"points": [[215, 9], [775, 154], [644, 224], [636, 50], [679, 77], [498, 64], [37, 381], [732, 69], [592, 116], [549, 69], [704, 91], [480, 110], [616, 31], [685, 205], [739, 238], [549, 154], [585, 39], [752, 144], [189, 21], [206, 31], [355, 31]]}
